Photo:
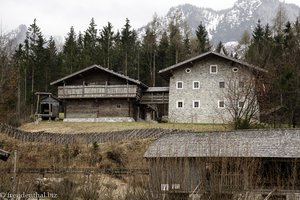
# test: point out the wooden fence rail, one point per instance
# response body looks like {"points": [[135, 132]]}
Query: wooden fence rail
{"points": [[89, 170], [100, 137]]}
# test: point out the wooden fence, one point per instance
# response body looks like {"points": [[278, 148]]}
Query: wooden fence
{"points": [[63, 138], [89, 170]]}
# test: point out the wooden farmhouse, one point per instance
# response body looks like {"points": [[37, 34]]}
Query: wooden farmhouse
{"points": [[226, 165], [98, 94], [210, 88]]}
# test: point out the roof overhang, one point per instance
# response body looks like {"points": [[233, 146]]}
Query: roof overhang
{"points": [[78, 73]]}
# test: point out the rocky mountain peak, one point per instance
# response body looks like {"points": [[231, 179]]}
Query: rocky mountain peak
{"points": [[229, 24]]}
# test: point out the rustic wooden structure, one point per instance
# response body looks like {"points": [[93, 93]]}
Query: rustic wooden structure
{"points": [[156, 101], [99, 94], [226, 165], [48, 106], [4, 155]]}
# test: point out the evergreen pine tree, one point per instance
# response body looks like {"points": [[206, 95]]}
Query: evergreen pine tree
{"points": [[149, 55], [106, 40], [221, 48], [163, 60], [176, 43], [70, 53], [90, 41], [128, 41], [203, 40]]}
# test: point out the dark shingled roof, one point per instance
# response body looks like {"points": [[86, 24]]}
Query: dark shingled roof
{"points": [[101, 68], [278, 143], [166, 71]]}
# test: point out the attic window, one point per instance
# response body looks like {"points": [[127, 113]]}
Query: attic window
{"points": [[235, 69], [213, 69], [188, 70]]}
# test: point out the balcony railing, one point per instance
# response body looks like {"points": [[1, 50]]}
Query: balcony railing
{"points": [[99, 91]]}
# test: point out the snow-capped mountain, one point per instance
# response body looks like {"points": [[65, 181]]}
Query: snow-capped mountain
{"points": [[229, 24]]}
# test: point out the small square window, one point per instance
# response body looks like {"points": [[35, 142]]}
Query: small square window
{"points": [[222, 84], [179, 85], [241, 104], [213, 69], [196, 84], [221, 104], [196, 104], [179, 104]]}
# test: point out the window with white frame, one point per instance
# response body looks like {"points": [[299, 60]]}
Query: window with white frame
{"points": [[213, 69], [179, 85], [179, 104], [196, 104], [221, 104], [196, 85]]}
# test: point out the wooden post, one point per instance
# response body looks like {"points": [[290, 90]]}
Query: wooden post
{"points": [[15, 172], [37, 104], [50, 109]]}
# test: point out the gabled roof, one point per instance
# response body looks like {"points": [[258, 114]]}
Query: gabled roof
{"points": [[191, 60], [103, 69], [278, 143], [49, 96]]}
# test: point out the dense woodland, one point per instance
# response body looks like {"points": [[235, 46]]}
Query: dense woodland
{"points": [[37, 61]]}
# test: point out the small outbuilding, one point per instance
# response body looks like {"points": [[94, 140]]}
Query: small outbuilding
{"points": [[48, 106], [250, 164]]}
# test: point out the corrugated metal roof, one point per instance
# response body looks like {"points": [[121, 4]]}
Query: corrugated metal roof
{"points": [[101, 68], [166, 70], [280, 143]]}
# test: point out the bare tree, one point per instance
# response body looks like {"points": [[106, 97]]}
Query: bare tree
{"points": [[241, 101]]}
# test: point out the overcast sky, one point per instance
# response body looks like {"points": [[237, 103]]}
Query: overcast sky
{"points": [[55, 17]]}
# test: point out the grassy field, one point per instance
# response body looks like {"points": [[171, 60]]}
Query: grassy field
{"points": [[87, 127]]}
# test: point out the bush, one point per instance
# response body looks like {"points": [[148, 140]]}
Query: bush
{"points": [[117, 156]]}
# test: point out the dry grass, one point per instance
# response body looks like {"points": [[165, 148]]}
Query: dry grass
{"points": [[87, 127]]}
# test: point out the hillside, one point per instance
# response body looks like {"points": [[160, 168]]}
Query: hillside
{"points": [[65, 168]]}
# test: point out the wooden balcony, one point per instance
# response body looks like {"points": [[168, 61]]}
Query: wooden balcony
{"points": [[162, 98], [99, 91]]}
